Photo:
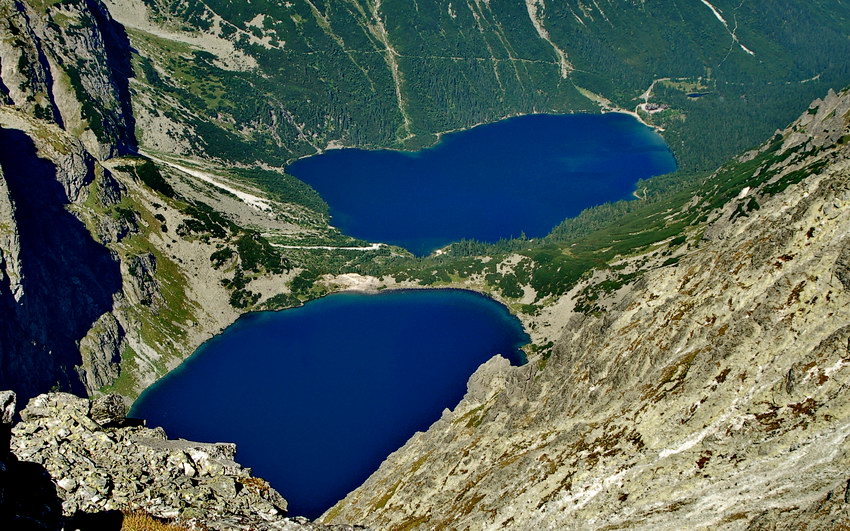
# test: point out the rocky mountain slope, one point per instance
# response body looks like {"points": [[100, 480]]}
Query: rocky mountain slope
{"points": [[112, 270], [711, 392]]}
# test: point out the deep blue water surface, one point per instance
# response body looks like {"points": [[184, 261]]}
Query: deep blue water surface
{"points": [[524, 174], [316, 397]]}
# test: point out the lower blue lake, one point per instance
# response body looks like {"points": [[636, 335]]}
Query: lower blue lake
{"points": [[316, 397], [523, 174]]}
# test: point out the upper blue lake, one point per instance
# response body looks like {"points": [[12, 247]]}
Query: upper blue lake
{"points": [[524, 174], [316, 397]]}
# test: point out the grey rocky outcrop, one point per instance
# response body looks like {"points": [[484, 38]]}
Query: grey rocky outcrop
{"points": [[143, 288], [108, 410], [823, 125], [27, 494], [7, 406], [10, 249], [68, 62], [97, 468], [100, 351]]}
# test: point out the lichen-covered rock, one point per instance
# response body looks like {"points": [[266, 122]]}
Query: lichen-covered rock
{"points": [[7, 406], [100, 351], [68, 63], [108, 409], [144, 288], [96, 469], [10, 246], [823, 125]]}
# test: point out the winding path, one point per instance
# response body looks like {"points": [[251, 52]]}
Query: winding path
{"points": [[372, 247]]}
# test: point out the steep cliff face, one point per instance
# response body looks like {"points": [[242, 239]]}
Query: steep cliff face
{"points": [[106, 275], [66, 107], [59, 280], [710, 393], [68, 62], [109, 277]]}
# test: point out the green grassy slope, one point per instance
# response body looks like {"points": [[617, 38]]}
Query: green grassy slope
{"points": [[393, 73]]}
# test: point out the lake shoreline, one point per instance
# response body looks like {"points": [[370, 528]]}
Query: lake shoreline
{"points": [[525, 174], [337, 358]]}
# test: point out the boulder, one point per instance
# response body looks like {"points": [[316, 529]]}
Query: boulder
{"points": [[108, 409], [7, 406]]}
